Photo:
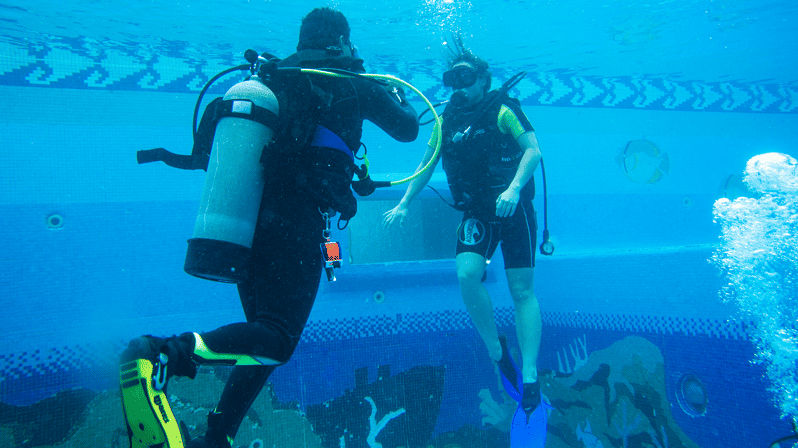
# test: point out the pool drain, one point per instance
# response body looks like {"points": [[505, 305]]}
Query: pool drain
{"points": [[55, 221]]}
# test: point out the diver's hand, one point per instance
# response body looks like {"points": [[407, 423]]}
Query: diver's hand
{"points": [[507, 202], [391, 216]]}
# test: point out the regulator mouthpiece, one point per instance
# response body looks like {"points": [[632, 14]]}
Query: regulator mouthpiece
{"points": [[459, 98]]}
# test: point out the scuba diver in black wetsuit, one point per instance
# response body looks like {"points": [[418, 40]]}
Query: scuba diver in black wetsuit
{"points": [[308, 169], [489, 153]]}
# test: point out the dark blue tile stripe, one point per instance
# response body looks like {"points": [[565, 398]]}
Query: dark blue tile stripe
{"points": [[25, 364]]}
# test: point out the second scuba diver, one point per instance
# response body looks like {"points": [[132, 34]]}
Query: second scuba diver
{"points": [[489, 153], [309, 167]]}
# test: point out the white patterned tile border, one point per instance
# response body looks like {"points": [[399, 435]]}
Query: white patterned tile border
{"points": [[68, 67]]}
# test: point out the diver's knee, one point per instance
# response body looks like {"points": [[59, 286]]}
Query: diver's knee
{"points": [[469, 276], [275, 355], [523, 296], [278, 346]]}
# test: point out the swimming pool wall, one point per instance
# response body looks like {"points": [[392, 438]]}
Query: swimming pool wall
{"points": [[631, 257]]}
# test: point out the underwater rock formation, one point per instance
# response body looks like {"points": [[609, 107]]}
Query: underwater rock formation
{"points": [[617, 399], [394, 411]]}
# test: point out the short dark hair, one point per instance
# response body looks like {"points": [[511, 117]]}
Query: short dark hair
{"points": [[321, 28]]}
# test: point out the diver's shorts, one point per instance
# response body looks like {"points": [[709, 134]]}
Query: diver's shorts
{"points": [[481, 233]]}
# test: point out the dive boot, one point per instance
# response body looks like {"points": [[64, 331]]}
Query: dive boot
{"points": [[215, 437]]}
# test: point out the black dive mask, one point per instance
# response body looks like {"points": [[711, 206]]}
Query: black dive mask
{"points": [[460, 77]]}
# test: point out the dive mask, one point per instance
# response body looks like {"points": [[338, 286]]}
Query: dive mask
{"points": [[460, 77]]}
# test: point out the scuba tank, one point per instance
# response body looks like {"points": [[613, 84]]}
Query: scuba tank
{"points": [[228, 212]]}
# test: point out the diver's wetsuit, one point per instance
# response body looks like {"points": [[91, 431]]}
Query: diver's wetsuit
{"points": [[479, 168], [286, 264]]}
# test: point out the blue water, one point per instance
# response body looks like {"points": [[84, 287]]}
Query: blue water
{"points": [[84, 85]]}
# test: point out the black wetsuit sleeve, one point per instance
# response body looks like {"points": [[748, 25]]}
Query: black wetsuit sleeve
{"points": [[389, 110]]}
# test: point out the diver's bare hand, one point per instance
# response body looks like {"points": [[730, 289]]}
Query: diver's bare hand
{"points": [[507, 202], [391, 216]]}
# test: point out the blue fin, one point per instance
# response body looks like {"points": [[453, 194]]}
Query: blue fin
{"points": [[513, 386], [529, 431]]}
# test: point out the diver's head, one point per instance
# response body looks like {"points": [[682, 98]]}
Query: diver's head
{"points": [[468, 75], [324, 29], [469, 82]]}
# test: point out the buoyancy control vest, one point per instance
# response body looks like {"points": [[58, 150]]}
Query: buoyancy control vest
{"points": [[311, 156], [481, 166]]}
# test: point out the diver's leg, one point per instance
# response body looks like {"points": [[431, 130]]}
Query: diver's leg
{"points": [[246, 381], [529, 423], [527, 319], [277, 300], [470, 268], [475, 245], [518, 248], [242, 388]]}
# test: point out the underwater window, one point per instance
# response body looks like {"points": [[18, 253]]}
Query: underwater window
{"points": [[428, 233]]}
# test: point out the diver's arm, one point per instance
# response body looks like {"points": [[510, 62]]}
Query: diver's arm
{"points": [[529, 163], [416, 185], [387, 107], [508, 201]]}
